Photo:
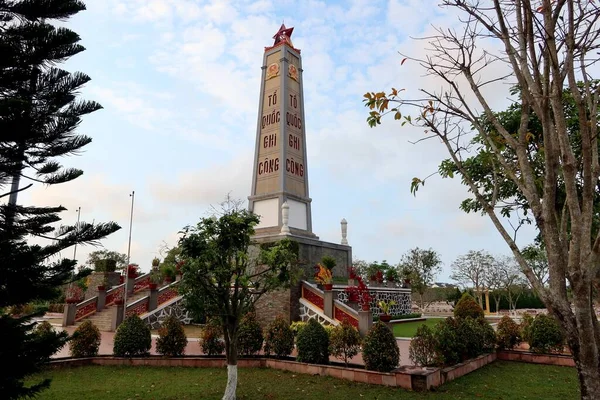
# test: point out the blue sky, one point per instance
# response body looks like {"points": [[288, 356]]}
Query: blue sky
{"points": [[179, 82]]}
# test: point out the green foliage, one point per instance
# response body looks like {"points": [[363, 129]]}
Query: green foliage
{"points": [[546, 335], [85, 341], [525, 327], [312, 344], [43, 329], [250, 336], [172, 340], [468, 307], [280, 338], [328, 262], [449, 346], [380, 350], [508, 333], [297, 326], [168, 271], [344, 341], [421, 267], [107, 260], [133, 338], [105, 265], [422, 349], [212, 344]]}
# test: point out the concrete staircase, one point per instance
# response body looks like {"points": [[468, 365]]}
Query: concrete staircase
{"points": [[103, 318]]}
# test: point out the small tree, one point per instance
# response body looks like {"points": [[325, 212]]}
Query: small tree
{"points": [[312, 343], [345, 341], [421, 266], [280, 338], [171, 340], [468, 307], [132, 338], [469, 269], [223, 279], [380, 350], [422, 349], [250, 336]]}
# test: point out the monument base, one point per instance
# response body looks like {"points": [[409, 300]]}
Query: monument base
{"points": [[286, 303]]}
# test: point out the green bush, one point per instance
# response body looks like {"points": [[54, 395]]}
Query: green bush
{"points": [[546, 335], [525, 327], [44, 328], [250, 336], [344, 341], [470, 334], [380, 350], [132, 338], [212, 344], [297, 326], [468, 307], [508, 333], [328, 262], [279, 339], [328, 329], [449, 346], [422, 349], [313, 344], [489, 336], [171, 340], [85, 340]]}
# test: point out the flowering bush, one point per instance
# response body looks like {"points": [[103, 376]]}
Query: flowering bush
{"points": [[74, 294], [377, 276], [352, 273], [132, 270], [360, 294], [323, 276]]}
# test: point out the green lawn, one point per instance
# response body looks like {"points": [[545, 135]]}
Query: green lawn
{"points": [[409, 329], [499, 380]]}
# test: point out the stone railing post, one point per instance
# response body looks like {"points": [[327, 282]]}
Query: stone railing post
{"points": [[101, 300], [130, 285], [118, 312], [365, 321], [69, 314], [344, 224], [153, 300], [178, 277], [328, 303]]}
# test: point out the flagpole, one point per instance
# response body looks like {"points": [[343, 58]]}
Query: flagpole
{"points": [[132, 195]]}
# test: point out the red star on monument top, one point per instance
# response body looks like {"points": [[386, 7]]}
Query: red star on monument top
{"points": [[284, 34]]}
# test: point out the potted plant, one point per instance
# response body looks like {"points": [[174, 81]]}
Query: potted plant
{"points": [[328, 262], [352, 276], [156, 278], [132, 270], [119, 297], [324, 277], [384, 306], [168, 272], [360, 294], [74, 294], [375, 274], [104, 283], [391, 276]]}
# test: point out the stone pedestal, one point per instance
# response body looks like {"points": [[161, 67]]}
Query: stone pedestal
{"points": [[365, 321], [69, 314], [153, 301], [118, 312], [130, 284], [101, 300], [328, 303]]}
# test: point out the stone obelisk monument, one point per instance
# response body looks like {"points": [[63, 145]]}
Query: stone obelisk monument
{"points": [[280, 178]]}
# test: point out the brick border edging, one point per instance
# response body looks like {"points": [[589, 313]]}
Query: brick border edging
{"points": [[562, 360], [411, 378]]}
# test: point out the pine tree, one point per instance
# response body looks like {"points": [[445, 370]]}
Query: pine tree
{"points": [[39, 114]]}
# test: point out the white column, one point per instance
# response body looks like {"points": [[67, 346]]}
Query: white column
{"points": [[285, 216], [344, 224]]}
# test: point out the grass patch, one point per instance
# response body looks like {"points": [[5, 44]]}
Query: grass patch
{"points": [[409, 329], [499, 380]]}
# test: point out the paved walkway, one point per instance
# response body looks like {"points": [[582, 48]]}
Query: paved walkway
{"points": [[193, 348]]}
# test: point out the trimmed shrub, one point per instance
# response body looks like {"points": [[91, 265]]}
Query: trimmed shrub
{"points": [[449, 346], [380, 350], [468, 307], [328, 329], [212, 344], [313, 344], [44, 328], [172, 340], [132, 338], [279, 339], [470, 333], [525, 327], [344, 341], [250, 336], [508, 333], [422, 350], [85, 340], [546, 335], [297, 326], [489, 336]]}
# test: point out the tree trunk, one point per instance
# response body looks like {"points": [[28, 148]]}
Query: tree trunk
{"points": [[231, 354]]}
